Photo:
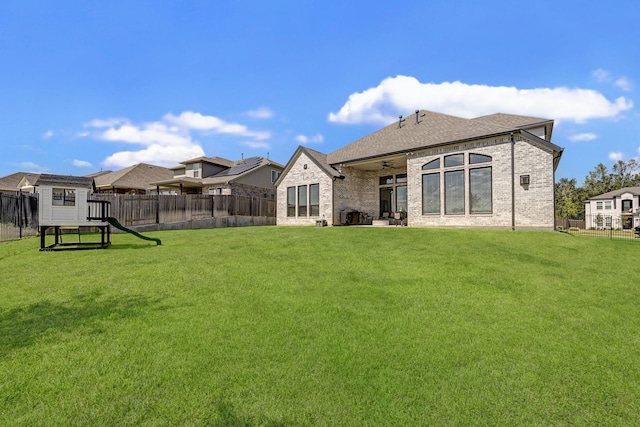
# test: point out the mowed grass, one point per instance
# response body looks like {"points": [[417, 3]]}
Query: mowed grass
{"points": [[286, 326]]}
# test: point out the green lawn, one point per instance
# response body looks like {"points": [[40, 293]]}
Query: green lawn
{"points": [[285, 326]]}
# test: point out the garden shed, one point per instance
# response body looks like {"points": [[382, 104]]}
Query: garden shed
{"points": [[63, 203]]}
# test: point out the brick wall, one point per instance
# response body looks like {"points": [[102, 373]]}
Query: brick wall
{"points": [[297, 176]]}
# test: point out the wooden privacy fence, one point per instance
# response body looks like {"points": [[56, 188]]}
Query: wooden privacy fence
{"points": [[163, 209], [18, 215]]}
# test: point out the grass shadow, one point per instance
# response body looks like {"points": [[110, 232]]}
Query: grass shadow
{"points": [[22, 326]]}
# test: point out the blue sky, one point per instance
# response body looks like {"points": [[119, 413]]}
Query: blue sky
{"points": [[88, 85]]}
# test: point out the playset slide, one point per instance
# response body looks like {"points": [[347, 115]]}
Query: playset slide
{"points": [[111, 220]]}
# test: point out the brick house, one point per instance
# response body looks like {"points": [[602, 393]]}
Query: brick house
{"points": [[429, 169]]}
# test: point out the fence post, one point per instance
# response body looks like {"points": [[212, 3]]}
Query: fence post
{"points": [[20, 204], [158, 208]]}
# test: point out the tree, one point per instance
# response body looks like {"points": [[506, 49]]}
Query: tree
{"points": [[569, 199], [626, 174], [598, 181]]}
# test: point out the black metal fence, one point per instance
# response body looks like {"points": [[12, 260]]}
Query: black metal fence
{"points": [[18, 216], [614, 226]]}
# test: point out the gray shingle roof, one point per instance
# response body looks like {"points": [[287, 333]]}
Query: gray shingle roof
{"points": [[11, 182], [616, 193], [430, 129], [137, 176], [64, 181]]}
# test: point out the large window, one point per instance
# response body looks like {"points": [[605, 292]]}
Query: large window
{"points": [[480, 190], [291, 201], [431, 193], [456, 174], [63, 197], [302, 200], [454, 192], [314, 199]]}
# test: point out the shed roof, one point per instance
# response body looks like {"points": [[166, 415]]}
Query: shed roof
{"points": [[64, 181]]}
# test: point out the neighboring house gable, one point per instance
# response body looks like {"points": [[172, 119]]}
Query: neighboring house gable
{"points": [[19, 181], [437, 169]]}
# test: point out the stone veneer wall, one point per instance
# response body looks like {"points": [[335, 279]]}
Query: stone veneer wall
{"points": [[298, 175], [534, 204]]}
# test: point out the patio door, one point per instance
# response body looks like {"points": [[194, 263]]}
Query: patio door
{"points": [[386, 199]]}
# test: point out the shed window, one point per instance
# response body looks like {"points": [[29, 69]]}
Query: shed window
{"points": [[64, 197]]}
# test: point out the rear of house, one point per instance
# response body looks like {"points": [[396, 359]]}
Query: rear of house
{"points": [[430, 169]]}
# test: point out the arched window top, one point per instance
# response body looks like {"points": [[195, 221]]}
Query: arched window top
{"points": [[433, 164], [478, 158], [453, 160]]}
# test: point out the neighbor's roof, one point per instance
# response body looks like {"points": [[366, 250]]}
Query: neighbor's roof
{"points": [[64, 181], [616, 193], [430, 129], [11, 182], [137, 176], [202, 159], [241, 168]]}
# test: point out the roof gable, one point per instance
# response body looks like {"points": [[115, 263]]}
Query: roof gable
{"points": [[320, 160]]}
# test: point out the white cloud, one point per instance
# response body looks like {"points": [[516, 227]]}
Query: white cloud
{"points": [[403, 94], [315, 139], [260, 113], [32, 167], [48, 134], [624, 84], [81, 164], [165, 142], [615, 156], [196, 121], [583, 137], [106, 123], [256, 144], [160, 155], [602, 75]]}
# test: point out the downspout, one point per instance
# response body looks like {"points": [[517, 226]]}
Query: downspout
{"points": [[513, 183]]}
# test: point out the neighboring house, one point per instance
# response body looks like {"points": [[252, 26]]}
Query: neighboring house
{"points": [[135, 179], [254, 176], [19, 181], [435, 169], [615, 209]]}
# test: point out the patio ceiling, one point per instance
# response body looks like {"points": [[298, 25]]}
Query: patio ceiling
{"points": [[397, 161]]}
